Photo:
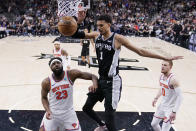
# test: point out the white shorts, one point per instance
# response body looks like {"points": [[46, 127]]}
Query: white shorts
{"points": [[61, 122], [163, 113]]}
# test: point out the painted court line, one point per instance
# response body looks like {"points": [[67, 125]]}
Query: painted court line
{"points": [[12, 121]]}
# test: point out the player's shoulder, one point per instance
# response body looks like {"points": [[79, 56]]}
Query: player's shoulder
{"points": [[173, 77], [119, 37], [46, 81], [73, 72], [174, 80]]}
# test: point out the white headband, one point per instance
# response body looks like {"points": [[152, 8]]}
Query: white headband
{"points": [[57, 42], [55, 60]]}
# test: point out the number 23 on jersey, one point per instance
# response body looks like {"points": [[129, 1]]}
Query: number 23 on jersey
{"points": [[61, 95]]}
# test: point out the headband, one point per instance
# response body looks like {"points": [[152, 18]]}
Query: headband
{"points": [[55, 60]]}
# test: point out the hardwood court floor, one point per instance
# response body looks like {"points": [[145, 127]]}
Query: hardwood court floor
{"points": [[21, 75]]}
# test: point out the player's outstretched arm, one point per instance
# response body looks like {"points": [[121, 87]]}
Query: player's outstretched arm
{"points": [[44, 92], [84, 35], [122, 40], [76, 74], [92, 35]]}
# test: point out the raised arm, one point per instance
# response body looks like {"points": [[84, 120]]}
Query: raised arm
{"points": [[75, 74], [66, 56], [64, 52], [122, 40], [44, 92]]}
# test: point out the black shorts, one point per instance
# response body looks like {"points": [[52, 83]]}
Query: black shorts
{"points": [[110, 90], [85, 52]]}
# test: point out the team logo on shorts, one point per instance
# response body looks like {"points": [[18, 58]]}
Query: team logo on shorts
{"points": [[74, 125]]}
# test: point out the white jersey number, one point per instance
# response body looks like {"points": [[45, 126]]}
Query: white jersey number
{"points": [[101, 55]]}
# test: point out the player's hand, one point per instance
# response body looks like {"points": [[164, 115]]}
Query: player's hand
{"points": [[154, 102], [81, 16], [172, 116], [92, 88], [49, 115], [175, 58]]}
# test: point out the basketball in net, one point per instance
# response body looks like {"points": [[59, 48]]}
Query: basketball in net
{"points": [[67, 25]]}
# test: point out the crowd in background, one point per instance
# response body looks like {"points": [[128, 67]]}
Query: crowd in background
{"points": [[173, 21]]}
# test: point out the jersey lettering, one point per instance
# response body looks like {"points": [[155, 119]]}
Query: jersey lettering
{"points": [[163, 91], [61, 95], [107, 56]]}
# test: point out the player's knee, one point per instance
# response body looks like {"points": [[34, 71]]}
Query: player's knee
{"points": [[109, 108], [109, 114], [153, 124], [166, 126]]}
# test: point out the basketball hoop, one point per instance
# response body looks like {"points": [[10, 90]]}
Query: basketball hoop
{"points": [[71, 7], [68, 8]]}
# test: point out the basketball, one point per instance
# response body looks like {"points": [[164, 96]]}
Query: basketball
{"points": [[67, 25]]}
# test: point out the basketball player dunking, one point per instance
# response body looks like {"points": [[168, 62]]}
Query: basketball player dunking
{"points": [[108, 46], [60, 115], [71, 8], [171, 99], [60, 52]]}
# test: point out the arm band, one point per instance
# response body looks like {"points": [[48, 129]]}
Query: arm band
{"points": [[178, 100]]}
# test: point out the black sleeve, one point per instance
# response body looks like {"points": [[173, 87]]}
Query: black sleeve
{"points": [[79, 34]]}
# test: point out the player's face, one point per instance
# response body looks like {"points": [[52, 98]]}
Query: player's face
{"points": [[57, 68], [165, 67], [103, 26], [57, 46]]}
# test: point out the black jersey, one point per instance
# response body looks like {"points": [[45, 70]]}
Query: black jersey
{"points": [[85, 43], [107, 56]]}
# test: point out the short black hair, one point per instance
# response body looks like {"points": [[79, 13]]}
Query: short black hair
{"points": [[107, 18], [53, 58]]}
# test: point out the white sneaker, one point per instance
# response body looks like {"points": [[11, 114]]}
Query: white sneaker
{"points": [[101, 128]]}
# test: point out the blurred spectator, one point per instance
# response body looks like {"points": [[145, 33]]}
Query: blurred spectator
{"points": [[155, 18], [177, 32]]}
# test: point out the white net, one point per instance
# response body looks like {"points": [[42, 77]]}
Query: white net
{"points": [[68, 7]]}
